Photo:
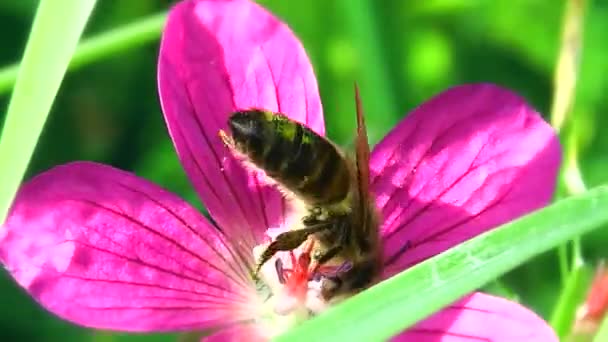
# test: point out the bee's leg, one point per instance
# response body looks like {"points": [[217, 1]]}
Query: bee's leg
{"points": [[313, 217], [286, 241], [321, 258]]}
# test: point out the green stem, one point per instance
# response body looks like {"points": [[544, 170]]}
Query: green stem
{"points": [[105, 44], [570, 297], [573, 274], [566, 71], [56, 30], [575, 281], [577, 252], [564, 264]]}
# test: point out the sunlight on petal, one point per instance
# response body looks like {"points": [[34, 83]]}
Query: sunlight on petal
{"points": [[105, 249], [481, 317], [468, 160], [212, 64]]}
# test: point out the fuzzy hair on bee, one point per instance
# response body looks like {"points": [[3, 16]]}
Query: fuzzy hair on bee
{"points": [[330, 185]]}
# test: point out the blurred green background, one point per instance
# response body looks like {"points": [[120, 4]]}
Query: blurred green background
{"points": [[400, 52]]}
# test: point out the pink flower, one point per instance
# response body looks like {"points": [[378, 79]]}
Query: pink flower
{"points": [[105, 249]]}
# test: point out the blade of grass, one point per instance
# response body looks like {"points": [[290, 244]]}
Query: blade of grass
{"points": [[56, 29], [105, 44], [386, 309]]}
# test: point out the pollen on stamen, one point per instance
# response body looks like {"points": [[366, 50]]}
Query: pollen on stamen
{"points": [[290, 275], [302, 270], [295, 280]]}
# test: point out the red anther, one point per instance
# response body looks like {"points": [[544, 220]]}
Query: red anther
{"points": [[297, 282]]}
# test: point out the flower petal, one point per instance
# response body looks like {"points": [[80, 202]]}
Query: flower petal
{"points": [[217, 57], [105, 249], [481, 317], [472, 158], [237, 333]]}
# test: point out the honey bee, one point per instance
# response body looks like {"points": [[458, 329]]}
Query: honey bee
{"points": [[340, 216]]}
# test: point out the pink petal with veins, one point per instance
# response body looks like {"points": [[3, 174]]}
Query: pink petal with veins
{"points": [[217, 57], [481, 317], [468, 160], [105, 249]]}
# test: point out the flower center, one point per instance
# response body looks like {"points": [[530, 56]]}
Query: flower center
{"points": [[291, 289]]}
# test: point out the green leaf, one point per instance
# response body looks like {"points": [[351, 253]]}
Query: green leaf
{"points": [[399, 302], [105, 44], [56, 30]]}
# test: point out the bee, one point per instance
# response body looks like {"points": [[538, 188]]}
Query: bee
{"points": [[340, 215]]}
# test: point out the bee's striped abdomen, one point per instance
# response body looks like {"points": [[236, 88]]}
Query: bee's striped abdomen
{"points": [[293, 155]]}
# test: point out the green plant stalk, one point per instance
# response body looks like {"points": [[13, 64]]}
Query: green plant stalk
{"points": [[567, 68], [376, 83], [399, 302], [56, 29], [571, 296], [572, 176], [105, 44], [574, 183], [576, 283], [564, 79], [564, 266]]}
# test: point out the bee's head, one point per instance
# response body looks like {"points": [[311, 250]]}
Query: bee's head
{"points": [[248, 130]]}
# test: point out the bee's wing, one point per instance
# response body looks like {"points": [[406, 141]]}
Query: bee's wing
{"points": [[361, 152]]}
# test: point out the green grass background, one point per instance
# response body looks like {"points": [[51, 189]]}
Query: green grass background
{"points": [[401, 53]]}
